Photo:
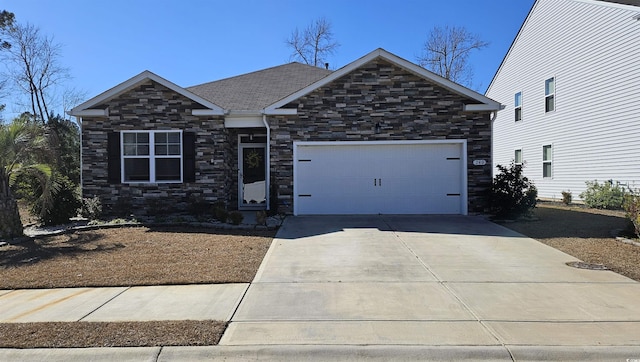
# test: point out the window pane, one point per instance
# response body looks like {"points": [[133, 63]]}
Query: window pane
{"points": [[546, 153], [518, 156], [173, 137], [549, 86], [129, 137], [549, 104], [129, 150], [161, 137], [161, 150], [518, 114], [174, 150], [546, 169], [142, 137], [168, 169], [518, 100], [136, 169], [143, 150]]}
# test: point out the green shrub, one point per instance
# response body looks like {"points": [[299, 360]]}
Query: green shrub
{"points": [[91, 208], [604, 195], [236, 217], [512, 195], [63, 206], [631, 206], [567, 197]]}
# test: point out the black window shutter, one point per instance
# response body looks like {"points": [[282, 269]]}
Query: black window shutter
{"points": [[113, 157], [189, 156]]}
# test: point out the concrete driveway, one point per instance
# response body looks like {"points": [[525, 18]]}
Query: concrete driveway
{"points": [[450, 283]]}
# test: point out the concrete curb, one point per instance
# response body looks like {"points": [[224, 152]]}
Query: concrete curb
{"points": [[328, 353]]}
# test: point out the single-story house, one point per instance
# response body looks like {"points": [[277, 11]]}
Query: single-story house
{"points": [[379, 135]]}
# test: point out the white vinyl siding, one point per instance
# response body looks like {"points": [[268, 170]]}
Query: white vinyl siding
{"points": [[594, 128]]}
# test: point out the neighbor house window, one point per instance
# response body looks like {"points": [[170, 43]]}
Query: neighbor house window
{"points": [[152, 156], [517, 157], [547, 155], [518, 106], [549, 94]]}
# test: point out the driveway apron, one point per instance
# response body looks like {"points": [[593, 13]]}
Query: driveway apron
{"points": [[430, 281]]}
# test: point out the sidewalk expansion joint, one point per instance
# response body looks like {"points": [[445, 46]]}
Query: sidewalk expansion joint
{"points": [[103, 304]]}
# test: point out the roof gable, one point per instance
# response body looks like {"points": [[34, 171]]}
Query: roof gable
{"points": [[88, 108], [478, 101], [256, 90]]}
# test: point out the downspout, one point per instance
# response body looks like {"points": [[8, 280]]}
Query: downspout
{"points": [[268, 161], [79, 121]]}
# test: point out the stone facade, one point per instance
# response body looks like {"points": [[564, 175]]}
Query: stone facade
{"points": [[151, 106], [406, 107]]}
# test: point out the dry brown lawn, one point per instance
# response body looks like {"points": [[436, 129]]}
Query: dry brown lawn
{"points": [[586, 234], [111, 334], [134, 256]]}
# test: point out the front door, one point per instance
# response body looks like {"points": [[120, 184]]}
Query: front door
{"points": [[252, 175]]}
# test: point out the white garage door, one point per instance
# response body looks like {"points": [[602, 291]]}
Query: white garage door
{"points": [[402, 177]]}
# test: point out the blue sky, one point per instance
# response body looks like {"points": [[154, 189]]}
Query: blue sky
{"points": [[189, 42]]}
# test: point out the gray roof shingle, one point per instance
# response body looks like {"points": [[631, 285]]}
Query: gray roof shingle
{"points": [[256, 90]]}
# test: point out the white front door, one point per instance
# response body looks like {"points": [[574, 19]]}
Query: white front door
{"points": [[379, 178]]}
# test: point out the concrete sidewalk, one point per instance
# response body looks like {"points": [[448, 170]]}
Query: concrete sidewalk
{"points": [[375, 288], [169, 302]]}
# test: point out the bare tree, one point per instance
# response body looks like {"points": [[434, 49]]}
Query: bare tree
{"points": [[313, 44], [6, 22], [32, 62], [446, 53]]}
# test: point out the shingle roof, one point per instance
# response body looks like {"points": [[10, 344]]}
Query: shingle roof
{"points": [[255, 91]]}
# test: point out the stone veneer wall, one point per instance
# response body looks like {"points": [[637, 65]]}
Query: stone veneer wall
{"points": [[151, 106], [406, 106]]}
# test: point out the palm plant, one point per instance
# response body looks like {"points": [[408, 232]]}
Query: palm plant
{"points": [[23, 145]]}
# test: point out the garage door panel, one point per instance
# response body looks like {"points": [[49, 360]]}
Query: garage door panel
{"points": [[395, 178]]}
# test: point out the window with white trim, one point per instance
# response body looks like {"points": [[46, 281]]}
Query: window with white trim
{"points": [[151, 156], [549, 94], [517, 157], [547, 156], [518, 106]]}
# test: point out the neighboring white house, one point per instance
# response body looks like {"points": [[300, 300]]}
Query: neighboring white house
{"points": [[570, 84]]}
